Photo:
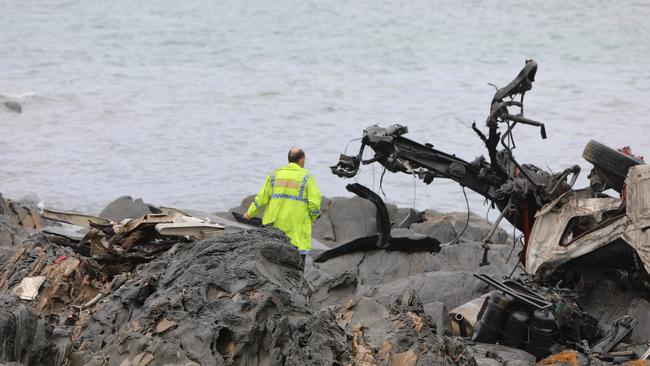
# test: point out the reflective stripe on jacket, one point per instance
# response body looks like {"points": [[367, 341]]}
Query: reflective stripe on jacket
{"points": [[291, 201]]}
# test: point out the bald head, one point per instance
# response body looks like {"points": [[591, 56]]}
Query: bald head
{"points": [[297, 156]]}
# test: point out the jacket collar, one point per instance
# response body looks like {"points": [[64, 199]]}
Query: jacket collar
{"points": [[294, 166]]}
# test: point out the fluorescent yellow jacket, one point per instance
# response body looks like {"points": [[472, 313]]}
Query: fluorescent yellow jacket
{"points": [[292, 203]]}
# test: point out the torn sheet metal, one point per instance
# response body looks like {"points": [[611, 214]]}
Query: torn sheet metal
{"points": [[146, 220], [554, 241], [74, 218], [190, 229], [72, 232], [28, 287], [162, 218], [174, 211]]}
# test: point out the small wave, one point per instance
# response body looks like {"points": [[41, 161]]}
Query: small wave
{"points": [[27, 96], [35, 99]]}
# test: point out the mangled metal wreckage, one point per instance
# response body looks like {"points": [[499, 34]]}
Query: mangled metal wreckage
{"points": [[100, 237], [564, 229]]}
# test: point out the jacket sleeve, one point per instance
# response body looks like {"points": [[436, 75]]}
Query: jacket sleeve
{"points": [[313, 199], [261, 199]]}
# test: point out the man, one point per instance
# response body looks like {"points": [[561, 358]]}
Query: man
{"points": [[291, 200]]}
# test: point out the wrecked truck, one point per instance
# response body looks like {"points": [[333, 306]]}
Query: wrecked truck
{"points": [[565, 229], [559, 223]]}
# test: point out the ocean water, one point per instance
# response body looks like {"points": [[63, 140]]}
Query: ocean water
{"points": [[192, 103]]}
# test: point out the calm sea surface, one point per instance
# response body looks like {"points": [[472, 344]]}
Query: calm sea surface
{"points": [[192, 103]]}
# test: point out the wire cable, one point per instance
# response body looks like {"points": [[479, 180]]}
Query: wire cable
{"points": [[513, 269], [452, 241], [381, 183], [514, 241], [348, 144], [518, 239], [487, 213]]}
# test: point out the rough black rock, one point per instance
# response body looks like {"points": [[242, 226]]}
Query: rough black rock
{"points": [[126, 207], [11, 236], [237, 299], [13, 106], [436, 277], [18, 325]]}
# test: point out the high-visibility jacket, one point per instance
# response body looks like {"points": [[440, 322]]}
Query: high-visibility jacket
{"points": [[291, 201]]}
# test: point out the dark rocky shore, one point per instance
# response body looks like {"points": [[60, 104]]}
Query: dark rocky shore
{"points": [[243, 298]]}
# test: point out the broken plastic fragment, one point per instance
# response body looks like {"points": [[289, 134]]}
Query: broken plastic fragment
{"points": [[28, 287]]}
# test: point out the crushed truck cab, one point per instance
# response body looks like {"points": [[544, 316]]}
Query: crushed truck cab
{"points": [[582, 226]]}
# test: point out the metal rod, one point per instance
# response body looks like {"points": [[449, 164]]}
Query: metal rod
{"points": [[528, 299], [493, 229]]}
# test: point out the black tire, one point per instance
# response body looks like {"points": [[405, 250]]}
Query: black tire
{"points": [[612, 165]]}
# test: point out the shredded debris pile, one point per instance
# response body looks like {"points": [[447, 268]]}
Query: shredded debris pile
{"points": [[68, 278], [132, 239], [402, 333]]}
